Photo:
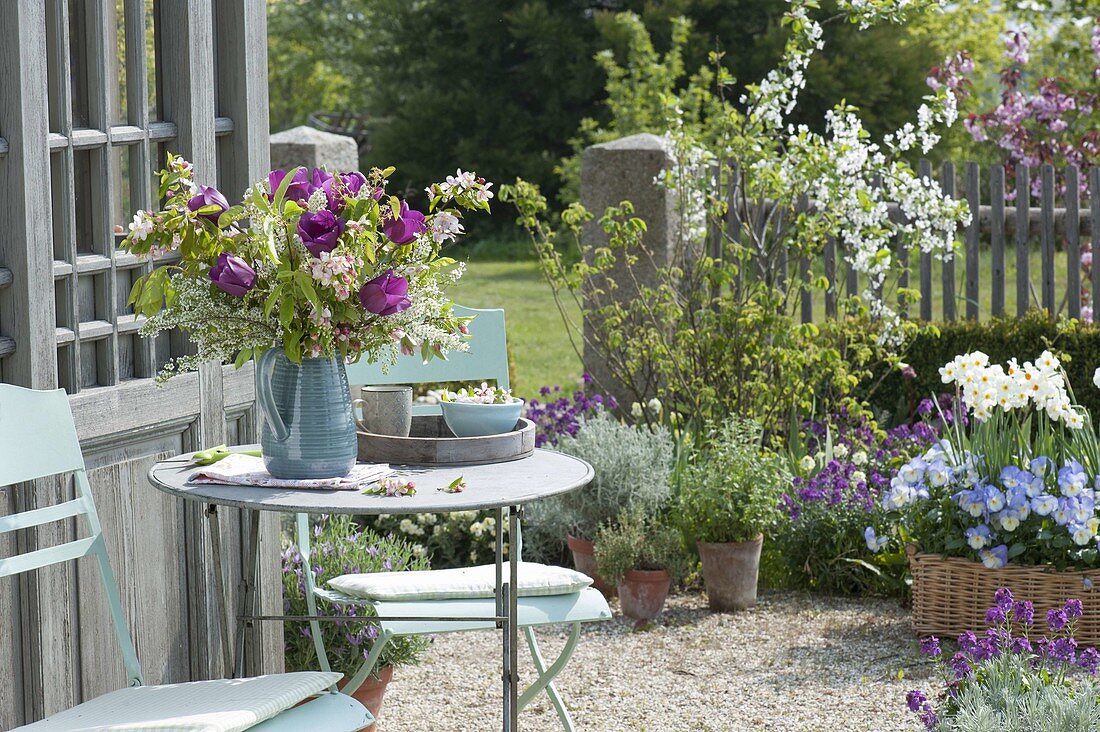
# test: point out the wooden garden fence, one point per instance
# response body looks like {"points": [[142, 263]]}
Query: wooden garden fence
{"points": [[1004, 221]]}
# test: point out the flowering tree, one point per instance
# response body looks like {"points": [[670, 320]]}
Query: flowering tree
{"points": [[715, 334], [1053, 124]]}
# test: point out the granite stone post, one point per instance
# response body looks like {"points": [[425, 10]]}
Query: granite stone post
{"points": [[613, 172], [313, 148]]}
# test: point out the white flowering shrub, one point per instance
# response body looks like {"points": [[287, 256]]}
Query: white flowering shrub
{"points": [[714, 333]]}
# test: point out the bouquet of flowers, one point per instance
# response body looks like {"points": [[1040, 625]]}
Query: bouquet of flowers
{"points": [[324, 264], [1014, 478]]}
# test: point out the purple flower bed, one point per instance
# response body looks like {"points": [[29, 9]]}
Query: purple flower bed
{"points": [[847, 464], [560, 413], [861, 464]]}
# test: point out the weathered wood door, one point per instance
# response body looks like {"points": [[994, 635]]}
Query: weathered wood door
{"points": [[92, 95]]}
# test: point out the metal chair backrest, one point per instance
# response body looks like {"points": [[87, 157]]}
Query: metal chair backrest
{"points": [[37, 440], [486, 360]]}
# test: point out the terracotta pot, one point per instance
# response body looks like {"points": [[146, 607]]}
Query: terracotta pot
{"points": [[730, 572], [642, 593], [584, 559], [371, 692]]}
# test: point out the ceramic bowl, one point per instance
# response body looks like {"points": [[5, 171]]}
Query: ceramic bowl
{"points": [[478, 420]]}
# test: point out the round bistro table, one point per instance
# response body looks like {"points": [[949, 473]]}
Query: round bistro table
{"points": [[502, 487]]}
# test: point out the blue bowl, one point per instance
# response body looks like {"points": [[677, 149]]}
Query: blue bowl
{"points": [[479, 420]]}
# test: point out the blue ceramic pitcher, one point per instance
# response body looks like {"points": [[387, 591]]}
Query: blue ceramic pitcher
{"points": [[308, 429]]}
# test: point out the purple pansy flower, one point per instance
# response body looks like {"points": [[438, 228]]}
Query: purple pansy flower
{"points": [[208, 196], [232, 275], [405, 227], [320, 231], [386, 294]]}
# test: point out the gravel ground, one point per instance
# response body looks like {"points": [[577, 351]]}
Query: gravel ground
{"points": [[795, 662]]}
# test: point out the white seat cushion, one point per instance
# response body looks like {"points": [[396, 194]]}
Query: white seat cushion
{"points": [[222, 705], [535, 580]]}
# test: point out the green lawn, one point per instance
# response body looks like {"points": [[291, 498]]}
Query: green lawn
{"points": [[537, 337], [540, 346]]}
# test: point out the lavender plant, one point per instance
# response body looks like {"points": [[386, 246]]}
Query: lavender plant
{"points": [[1011, 679], [633, 466], [340, 546]]}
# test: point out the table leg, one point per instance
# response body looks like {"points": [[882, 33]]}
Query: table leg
{"points": [[501, 603], [248, 590], [513, 618], [222, 604]]}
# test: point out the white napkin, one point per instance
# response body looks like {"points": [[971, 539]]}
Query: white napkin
{"points": [[238, 469]]}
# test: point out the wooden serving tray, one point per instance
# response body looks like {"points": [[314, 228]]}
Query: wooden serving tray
{"points": [[431, 442]]}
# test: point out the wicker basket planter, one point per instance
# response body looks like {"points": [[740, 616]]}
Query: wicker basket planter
{"points": [[951, 594]]}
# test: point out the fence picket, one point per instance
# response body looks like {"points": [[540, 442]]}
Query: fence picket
{"points": [[804, 271], [973, 261], [1094, 234], [1072, 200], [997, 239], [947, 271], [1023, 215], [925, 170], [1046, 237], [1045, 225]]}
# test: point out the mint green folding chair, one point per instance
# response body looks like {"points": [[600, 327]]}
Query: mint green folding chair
{"points": [[486, 360], [38, 439]]}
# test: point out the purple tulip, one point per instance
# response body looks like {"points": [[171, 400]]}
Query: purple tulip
{"points": [[320, 231], [342, 186], [386, 294], [232, 275], [209, 196], [297, 190], [405, 227]]}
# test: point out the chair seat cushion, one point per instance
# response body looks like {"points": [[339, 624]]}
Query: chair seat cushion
{"points": [[535, 580], [222, 705]]}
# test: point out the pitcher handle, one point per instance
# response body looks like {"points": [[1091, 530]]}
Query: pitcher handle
{"points": [[265, 398]]}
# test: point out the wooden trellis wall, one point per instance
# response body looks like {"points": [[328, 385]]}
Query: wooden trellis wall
{"points": [[92, 94]]}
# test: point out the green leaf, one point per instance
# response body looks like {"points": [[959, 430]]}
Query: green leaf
{"points": [[280, 192], [242, 358], [292, 346], [286, 312], [230, 216]]}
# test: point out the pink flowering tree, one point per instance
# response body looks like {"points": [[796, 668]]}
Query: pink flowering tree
{"points": [[1050, 122]]}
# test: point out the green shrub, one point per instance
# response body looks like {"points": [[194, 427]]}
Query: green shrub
{"points": [[1078, 346], [449, 540], [731, 492], [340, 546], [639, 542], [632, 468]]}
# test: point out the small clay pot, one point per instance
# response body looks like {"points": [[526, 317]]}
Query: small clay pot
{"points": [[730, 572], [584, 559], [642, 593], [370, 694]]}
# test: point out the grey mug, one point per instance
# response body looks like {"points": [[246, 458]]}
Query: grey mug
{"points": [[387, 410]]}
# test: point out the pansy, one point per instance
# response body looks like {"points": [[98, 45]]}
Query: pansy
{"points": [[1044, 505], [875, 543], [994, 557], [977, 536]]}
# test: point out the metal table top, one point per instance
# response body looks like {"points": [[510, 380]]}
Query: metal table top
{"points": [[544, 473]]}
